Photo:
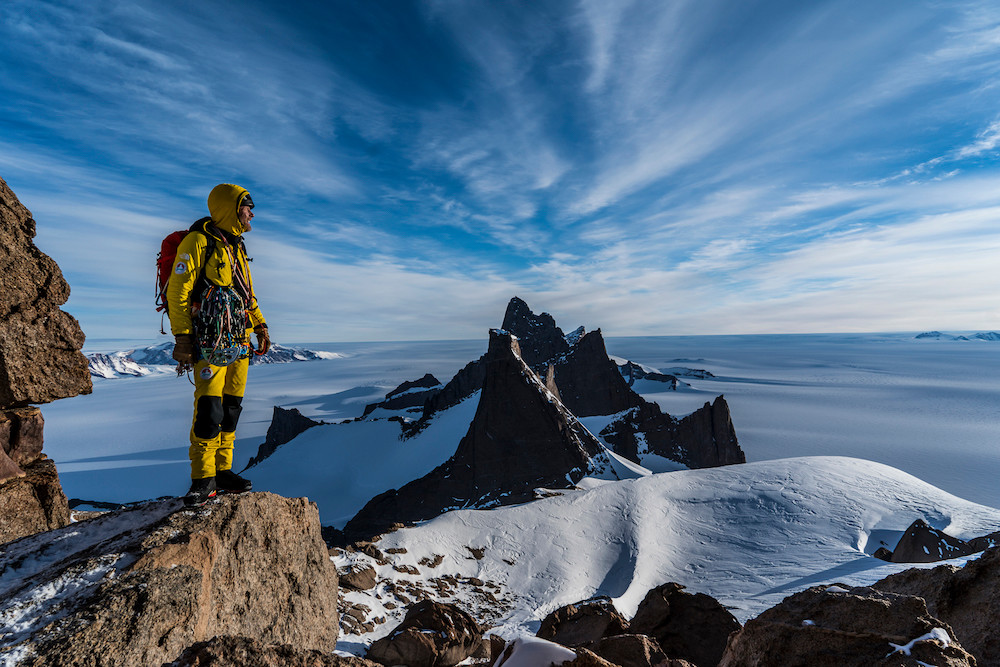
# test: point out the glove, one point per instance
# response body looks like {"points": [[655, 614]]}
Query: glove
{"points": [[263, 340], [184, 349]]}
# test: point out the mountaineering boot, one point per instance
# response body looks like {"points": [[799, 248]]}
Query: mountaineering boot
{"points": [[227, 480], [201, 490]]}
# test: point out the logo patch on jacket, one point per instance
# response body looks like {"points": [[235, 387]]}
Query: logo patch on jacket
{"points": [[206, 373], [180, 268]]}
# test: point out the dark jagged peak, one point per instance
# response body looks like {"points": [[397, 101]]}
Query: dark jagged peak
{"points": [[541, 340], [426, 382], [574, 336], [632, 371], [521, 439], [590, 382], [703, 439], [285, 425]]}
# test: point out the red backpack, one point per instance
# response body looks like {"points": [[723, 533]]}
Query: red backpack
{"points": [[165, 263]]}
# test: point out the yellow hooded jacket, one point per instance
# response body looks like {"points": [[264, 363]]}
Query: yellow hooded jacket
{"points": [[223, 204]]}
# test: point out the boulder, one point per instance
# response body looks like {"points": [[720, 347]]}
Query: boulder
{"points": [[40, 357], [966, 598], [923, 544], [139, 586], [520, 439], [583, 623], [33, 502], [358, 578], [228, 651], [694, 627], [432, 634], [634, 651], [829, 626]]}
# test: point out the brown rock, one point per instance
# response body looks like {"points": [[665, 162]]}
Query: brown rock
{"points": [[830, 627], [33, 503], [632, 651], [583, 623], [923, 544], [21, 434], [694, 627], [227, 651], [585, 658], [160, 578], [967, 598], [432, 634], [40, 357], [358, 578]]}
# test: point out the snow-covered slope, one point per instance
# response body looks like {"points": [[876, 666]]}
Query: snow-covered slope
{"points": [[748, 535]]}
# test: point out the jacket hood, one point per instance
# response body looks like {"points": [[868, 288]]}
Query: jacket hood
{"points": [[223, 205]]}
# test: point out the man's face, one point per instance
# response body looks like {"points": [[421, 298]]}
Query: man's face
{"points": [[245, 215]]}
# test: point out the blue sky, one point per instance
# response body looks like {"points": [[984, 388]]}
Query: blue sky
{"points": [[648, 167]]}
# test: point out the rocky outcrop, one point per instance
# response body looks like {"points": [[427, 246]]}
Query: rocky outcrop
{"points": [[966, 598], [583, 623], [703, 439], [285, 426], [247, 652], [521, 438], [137, 587], [542, 341], [632, 371], [409, 394], [465, 383], [829, 626], [40, 357], [33, 502], [921, 543], [40, 361], [432, 634], [689, 626]]}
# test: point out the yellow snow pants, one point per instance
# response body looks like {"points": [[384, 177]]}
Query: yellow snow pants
{"points": [[218, 401]]}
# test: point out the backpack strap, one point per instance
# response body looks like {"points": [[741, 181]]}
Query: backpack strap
{"points": [[199, 227]]}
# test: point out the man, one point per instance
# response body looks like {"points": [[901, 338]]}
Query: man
{"points": [[213, 259]]}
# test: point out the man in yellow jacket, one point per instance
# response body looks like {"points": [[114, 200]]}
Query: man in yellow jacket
{"points": [[213, 255]]}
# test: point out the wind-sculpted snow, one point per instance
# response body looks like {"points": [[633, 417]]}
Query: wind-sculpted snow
{"points": [[748, 535]]}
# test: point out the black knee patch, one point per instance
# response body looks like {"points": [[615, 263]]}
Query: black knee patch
{"points": [[232, 406], [208, 417]]}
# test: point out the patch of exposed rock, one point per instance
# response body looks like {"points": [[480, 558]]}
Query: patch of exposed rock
{"points": [[922, 543], [967, 598], [521, 438], [690, 626], [40, 357], [432, 634], [285, 426], [828, 626], [409, 394], [246, 652], [138, 587]]}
